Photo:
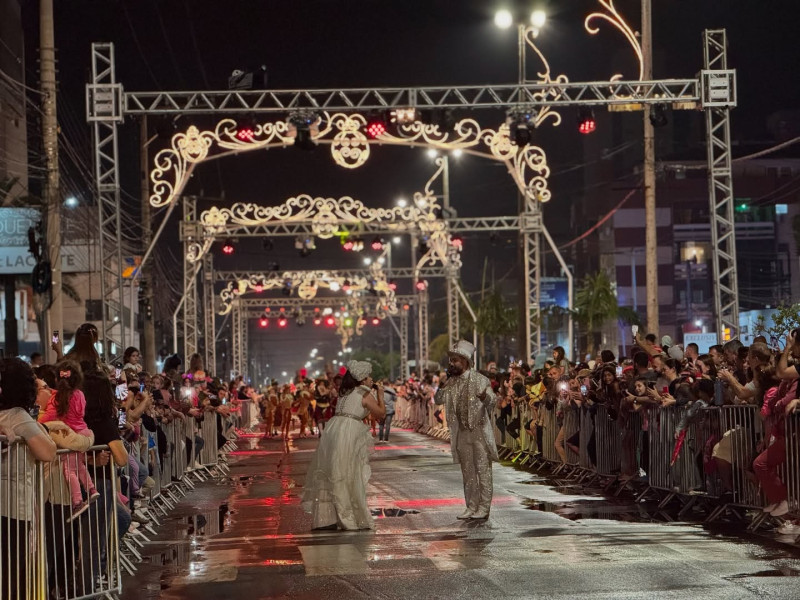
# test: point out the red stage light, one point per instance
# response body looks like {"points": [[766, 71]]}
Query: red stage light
{"points": [[376, 128], [317, 321], [586, 122], [393, 285], [457, 242], [258, 287], [376, 321], [348, 245], [263, 322], [227, 247], [421, 285], [330, 321], [245, 132], [377, 244], [282, 322]]}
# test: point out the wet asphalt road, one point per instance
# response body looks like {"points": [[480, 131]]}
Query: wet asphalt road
{"points": [[247, 537]]}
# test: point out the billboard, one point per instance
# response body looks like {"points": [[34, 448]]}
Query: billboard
{"points": [[554, 292]]}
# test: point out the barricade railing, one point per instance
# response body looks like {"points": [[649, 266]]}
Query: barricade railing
{"points": [[742, 428], [586, 443], [793, 461], [571, 428], [22, 534], [550, 428]]}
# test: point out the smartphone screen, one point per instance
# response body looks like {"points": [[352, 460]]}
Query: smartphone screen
{"points": [[583, 390], [619, 371], [123, 418], [117, 372], [122, 391], [55, 336], [141, 387]]}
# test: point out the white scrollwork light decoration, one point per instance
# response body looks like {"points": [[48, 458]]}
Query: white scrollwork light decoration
{"points": [[616, 19]]}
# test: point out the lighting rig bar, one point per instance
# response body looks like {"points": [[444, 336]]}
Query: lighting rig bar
{"points": [[686, 93], [194, 230], [395, 273], [298, 303]]}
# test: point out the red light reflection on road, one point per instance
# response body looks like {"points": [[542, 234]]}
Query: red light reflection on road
{"points": [[434, 502]]}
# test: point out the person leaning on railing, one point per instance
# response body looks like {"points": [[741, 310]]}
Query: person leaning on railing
{"points": [[17, 398]]}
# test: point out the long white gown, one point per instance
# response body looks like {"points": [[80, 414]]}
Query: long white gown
{"points": [[336, 485]]}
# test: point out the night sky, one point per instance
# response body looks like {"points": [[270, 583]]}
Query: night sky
{"points": [[192, 44]]}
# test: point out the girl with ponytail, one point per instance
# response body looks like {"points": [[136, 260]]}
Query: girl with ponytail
{"points": [[67, 407]]}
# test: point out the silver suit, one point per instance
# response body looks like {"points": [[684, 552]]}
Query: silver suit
{"points": [[469, 403]]}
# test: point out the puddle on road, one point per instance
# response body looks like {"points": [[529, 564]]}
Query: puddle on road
{"points": [[575, 511], [209, 523], [392, 512]]}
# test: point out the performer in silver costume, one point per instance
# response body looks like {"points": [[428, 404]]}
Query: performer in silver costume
{"points": [[469, 403]]}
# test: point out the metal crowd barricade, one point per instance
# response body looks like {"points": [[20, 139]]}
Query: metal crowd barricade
{"points": [[82, 552], [22, 533], [550, 429], [587, 430], [608, 443], [572, 423], [743, 428], [793, 461]]}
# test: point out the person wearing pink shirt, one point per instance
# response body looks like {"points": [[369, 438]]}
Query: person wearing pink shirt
{"points": [[68, 405]]}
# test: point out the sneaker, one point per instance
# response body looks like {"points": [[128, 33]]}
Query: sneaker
{"points": [[770, 507], [789, 528], [781, 509], [93, 495]]}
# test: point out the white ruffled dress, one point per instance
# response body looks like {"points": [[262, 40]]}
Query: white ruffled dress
{"points": [[336, 485]]}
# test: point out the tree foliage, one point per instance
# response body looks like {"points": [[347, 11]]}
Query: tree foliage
{"points": [[785, 318]]}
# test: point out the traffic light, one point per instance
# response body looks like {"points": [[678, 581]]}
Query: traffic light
{"points": [[586, 121]]}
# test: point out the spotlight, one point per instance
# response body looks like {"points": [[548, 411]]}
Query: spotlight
{"points": [[520, 129], [245, 129], [287, 288], [348, 245], [376, 321], [330, 321], [586, 122], [406, 307], [259, 287], [404, 116], [658, 115], [305, 127], [317, 321], [348, 322], [305, 245], [346, 285], [457, 242], [503, 19], [263, 322], [393, 285], [421, 285], [377, 244], [358, 245], [282, 322], [376, 125], [227, 247]]}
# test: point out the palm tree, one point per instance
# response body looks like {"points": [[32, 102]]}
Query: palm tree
{"points": [[596, 303]]}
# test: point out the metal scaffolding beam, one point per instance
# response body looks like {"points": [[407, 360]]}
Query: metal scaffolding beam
{"points": [[423, 331], [190, 304], [508, 96], [396, 273], [452, 310], [209, 315], [236, 342], [104, 104], [404, 373], [459, 225], [298, 303], [718, 96]]}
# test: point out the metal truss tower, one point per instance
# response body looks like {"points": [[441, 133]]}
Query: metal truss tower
{"points": [[209, 314], [105, 112], [719, 94], [190, 295]]}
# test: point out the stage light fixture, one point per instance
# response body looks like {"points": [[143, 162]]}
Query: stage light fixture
{"points": [[306, 125], [421, 285], [259, 287], [263, 322], [376, 125], [658, 115], [317, 321], [376, 321], [393, 285], [228, 247], [404, 116], [457, 242], [346, 285], [586, 121], [330, 321], [245, 129], [377, 244], [282, 322], [348, 245]]}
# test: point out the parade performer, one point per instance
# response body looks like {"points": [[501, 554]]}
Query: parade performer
{"points": [[469, 403], [335, 491]]}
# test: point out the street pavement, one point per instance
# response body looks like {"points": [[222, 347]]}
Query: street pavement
{"points": [[247, 537]]}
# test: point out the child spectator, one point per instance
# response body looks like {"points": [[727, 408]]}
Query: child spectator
{"points": [[68, 405]]}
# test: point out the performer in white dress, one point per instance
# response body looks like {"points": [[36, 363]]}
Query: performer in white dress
{"points": [[336, 485], [469, 403]]}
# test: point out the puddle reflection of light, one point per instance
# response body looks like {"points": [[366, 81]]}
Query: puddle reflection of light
{"points": [[279, 563], [433, 502], [399, 447], [264, 452]]}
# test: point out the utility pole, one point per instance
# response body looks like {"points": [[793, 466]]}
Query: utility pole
{"points": [[651, 243], [52, 197], [149, 330]]}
